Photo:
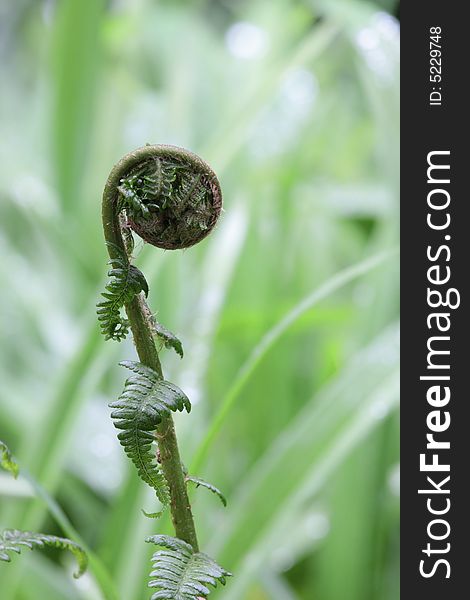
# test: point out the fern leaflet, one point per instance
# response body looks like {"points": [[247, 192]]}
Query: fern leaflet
{"points": [[145, 401], [179, 573], [6, 460], [168, 338], [200, 482], [191, 191], [125, 283], [152, 515], [147, 188], [13, 540], [159, 181], [130, 197]]}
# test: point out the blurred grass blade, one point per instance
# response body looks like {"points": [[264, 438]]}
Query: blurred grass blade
{"points": [[76, 57], [270, 338], [300, 459], [228, 140]]}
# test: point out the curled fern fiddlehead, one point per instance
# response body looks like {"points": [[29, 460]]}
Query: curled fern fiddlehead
{"points": [[171, 199], [168, 339]]}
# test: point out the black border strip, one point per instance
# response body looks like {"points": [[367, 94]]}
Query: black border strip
{"points": [[428, 128]]}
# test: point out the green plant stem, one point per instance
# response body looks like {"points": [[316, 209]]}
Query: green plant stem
{"points": [[137, 312]]}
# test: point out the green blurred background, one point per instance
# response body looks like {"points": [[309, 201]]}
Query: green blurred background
{"points": [[288, 312]]}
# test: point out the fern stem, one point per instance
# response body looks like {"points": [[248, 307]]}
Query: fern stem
{"points": [[137, 312]]}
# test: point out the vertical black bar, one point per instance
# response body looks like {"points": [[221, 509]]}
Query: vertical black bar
{"points": [[434, 118]]}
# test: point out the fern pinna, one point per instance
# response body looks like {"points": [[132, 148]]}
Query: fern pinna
{"points": [[13, 540], [146, 400], [171, 199], [7, 461], [180, 573], [125, 282]]}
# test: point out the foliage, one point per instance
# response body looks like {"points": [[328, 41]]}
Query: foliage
{"points": [[151, 183], [145, 401], [7, 462], [180, 573], [12, 540], [168, 338], [208, 486], [303, 133], [125, 283]]}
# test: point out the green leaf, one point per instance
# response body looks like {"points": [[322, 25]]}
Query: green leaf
{"points": [[126, 282], [149, 187], [158, 180], [168, 338], [145, 401], [7, 461], [208, 486], [179, 573], [154, 515], [13, 540]]}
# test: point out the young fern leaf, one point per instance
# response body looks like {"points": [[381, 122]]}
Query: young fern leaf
{"points": [[125, 283], [192, 189], [148, 188], [130, 198], [152, 515], [168, 338], [13, 540], [6, 460], [201, 483], [159, 180], [179, 573], [145, 401]]}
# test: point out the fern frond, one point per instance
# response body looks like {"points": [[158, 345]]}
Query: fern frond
{"points": [[158, 181], [13, 540], [191, 191], [148, 188], [201, 483], [145, 401], [6, 461], [168, 338], [180, 573], [126, 282]]}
